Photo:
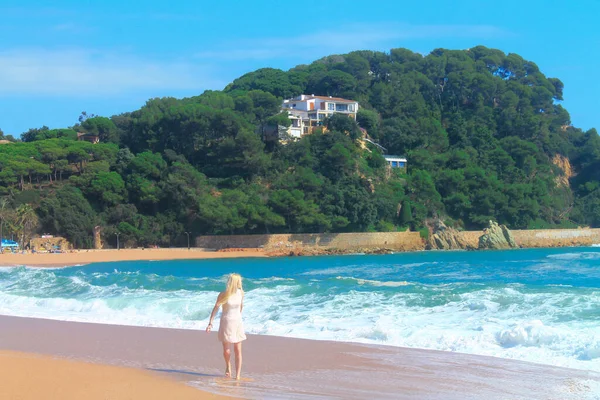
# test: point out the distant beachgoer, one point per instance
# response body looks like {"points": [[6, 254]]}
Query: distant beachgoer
{"points": [[231, 327]]}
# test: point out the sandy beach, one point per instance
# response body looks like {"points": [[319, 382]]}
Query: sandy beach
{"points": [[81, 257], [284, 368], [27, 376]]}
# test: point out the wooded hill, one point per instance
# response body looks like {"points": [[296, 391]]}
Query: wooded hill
{"points": [[484, 133]]}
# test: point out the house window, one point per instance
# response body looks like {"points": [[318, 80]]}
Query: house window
{"points": [[402, 164], [331, 107], [394, 164], [351, 107], [341, 107], [294, 105]]}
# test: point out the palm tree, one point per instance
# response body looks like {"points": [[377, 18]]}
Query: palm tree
{"points": [[5, 214], [27, 222]]}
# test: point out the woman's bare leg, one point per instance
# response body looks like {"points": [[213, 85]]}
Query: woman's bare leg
{"points": [[227, 357], [237, 348]]}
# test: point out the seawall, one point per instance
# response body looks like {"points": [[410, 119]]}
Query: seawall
{"points": [[543, 237], [318, 242], [373, 242], [556, 237]]}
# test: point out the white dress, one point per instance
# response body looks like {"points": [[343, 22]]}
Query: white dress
{"points": [[231, 328]]}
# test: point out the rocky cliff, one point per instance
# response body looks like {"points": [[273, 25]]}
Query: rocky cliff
{"points": [[446, 238], [496, 237]]}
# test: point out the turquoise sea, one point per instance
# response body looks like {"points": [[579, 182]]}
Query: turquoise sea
{"points": [[539, 305]]}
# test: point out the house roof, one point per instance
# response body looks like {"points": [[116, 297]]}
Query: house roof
{"points": [[392, 157], [326, 98], [338, 99]]}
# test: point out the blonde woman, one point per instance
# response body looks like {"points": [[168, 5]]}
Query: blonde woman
{"points": [[231, 327]]}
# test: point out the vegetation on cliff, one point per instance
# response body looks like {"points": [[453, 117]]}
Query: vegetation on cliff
{"points": [[481, 131]]}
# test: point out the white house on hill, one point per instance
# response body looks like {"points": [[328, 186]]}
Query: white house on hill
{"points": [[307, 112]]}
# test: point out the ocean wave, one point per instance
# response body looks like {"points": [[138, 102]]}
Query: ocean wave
{"points": [[584, 255], [137, 308], [528, 333], [12, 268], [589, 351], [272, 279], [373, 282], [367, 270]]}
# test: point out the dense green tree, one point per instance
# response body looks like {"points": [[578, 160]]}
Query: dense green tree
{"points": [[369, 120], [405, 213], [68, 213], [102, 127], [344, 124], [484, 132], [275, 81]]}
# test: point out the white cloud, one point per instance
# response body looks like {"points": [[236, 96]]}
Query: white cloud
{"points": [[88, 73], [344, 39]]}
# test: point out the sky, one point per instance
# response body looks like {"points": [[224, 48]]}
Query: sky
{"points": [[61, 57]]}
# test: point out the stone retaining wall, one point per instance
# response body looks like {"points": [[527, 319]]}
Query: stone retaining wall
{"points": [[544, 237], [556, 237], [393, 241], [398, 241]]}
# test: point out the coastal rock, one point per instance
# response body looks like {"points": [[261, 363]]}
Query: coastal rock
{"points": [[496, 237], [446, 238]]}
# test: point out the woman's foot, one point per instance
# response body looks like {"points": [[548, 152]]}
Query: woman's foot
{"points": [[239, 377], [228, 371]]}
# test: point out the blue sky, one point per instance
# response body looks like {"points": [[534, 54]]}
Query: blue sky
{"points": [[58, 58]]}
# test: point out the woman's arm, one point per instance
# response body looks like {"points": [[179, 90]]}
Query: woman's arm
{"points": [[242, 303], [214, 312]]}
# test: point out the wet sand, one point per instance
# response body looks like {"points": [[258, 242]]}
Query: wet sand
{"points": [[96, 256], [283, 368], [28, 376]]}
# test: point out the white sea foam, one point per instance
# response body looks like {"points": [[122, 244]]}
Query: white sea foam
{"points": [[272, 279], [373, 282], [365, 269], [584, 255], [527, 333]]}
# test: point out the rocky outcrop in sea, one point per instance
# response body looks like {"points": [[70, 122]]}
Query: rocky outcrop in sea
{"points": [[446, 238], [497, 237]]}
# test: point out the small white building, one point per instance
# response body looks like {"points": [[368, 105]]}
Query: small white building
{"points": [[395, 161], [308, 111]]}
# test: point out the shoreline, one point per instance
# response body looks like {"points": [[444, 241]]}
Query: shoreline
{"points": [[84, 257], [282, 245], [278, 367]]}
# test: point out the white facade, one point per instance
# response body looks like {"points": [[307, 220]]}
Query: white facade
{"points": [[308, 111]]}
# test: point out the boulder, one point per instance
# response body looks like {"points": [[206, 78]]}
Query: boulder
{"points": [[445, 238], [496, 237]]}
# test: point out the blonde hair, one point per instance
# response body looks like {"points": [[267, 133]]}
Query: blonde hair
{"points": [[234, 282]]}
